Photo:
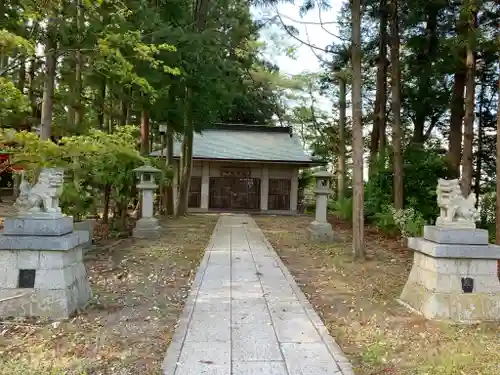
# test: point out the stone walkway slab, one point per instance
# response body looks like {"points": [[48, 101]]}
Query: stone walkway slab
{"points": [[245, 315]]}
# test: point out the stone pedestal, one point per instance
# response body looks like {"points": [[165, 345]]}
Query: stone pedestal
{"points": [[42, 273], [88, 226], [36, 226], [147, 227], [454, 275], [321, 232]]}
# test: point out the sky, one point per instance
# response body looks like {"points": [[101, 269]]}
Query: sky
{"points": [[305, 60], [310, 31]]}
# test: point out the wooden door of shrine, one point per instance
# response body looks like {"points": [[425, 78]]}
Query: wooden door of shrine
{"points": [[234, 193]]}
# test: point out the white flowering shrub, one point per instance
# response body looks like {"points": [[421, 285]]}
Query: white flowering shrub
{"points": [[409, 221]]}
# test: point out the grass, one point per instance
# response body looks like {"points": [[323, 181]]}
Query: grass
{"points": [[357, 302], [139, 291]]}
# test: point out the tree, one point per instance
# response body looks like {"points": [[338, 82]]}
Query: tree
{"points": [[396, 108], [470, 90], [357, 133], [497, 228], [341, 168], [378, 135]]}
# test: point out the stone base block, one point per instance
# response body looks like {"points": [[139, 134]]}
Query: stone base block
{"points": [[440, 250], [147, 228], [321, 232], [456, 236], [33, 226], [456, 289], [88, 226], [27, 242], [58, 283]]}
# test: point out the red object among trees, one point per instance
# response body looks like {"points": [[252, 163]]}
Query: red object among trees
{"points": [[6, 166]]}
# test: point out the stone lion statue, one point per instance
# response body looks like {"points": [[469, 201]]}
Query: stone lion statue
{"points": [[43, 197], [455, 209]]}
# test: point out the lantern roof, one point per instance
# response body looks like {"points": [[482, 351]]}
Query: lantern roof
{"points": [[322, 174], [146, 169]]}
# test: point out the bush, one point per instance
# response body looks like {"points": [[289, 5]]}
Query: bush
{"points": [[385, 222], [408, 222]]}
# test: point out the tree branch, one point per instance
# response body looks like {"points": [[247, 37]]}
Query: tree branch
{"points": [[322, 24], [13, 64], [308, 22], [312, 50], [294, 36]]}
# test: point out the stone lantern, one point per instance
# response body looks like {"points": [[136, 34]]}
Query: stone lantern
{"points": [[320, 229], [147, 226]]}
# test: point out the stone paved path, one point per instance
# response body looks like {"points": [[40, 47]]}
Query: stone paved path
{"points": [[245, 314]]}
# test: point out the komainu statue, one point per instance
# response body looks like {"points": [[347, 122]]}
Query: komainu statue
{"points": [[455, 210], [43, 197]]}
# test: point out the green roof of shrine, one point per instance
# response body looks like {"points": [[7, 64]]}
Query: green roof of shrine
{"points": [[247, 143]]}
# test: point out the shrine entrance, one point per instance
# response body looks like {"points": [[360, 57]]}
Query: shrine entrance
{"points": [[234, 190]]}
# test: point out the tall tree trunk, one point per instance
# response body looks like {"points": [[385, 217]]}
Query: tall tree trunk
{"points": [[48, 87], [357, 135], [124, 112], [457, 114], [200, 18], [425, 59], [128, 117], [80, 19], [102, 105], [378, 137], [145, 132], [21, 83], [480, 131], [107, 202], [374, 142], [186, 159], [126, 103], [470, 88], [341, 156], [78, 91], [71, 62], [170, 162], [497, 231], [22, 75], [31, 86], [396, 108]]}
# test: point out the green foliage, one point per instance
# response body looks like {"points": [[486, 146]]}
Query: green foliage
{"points": [[487, 213], [384, 220], [11, 42], [79, 200], [166, 171], [28, 150], [421, 170], [13, 104], [92, 163], [107, 163], [306, 178], [407, 222], [341, 208]]}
